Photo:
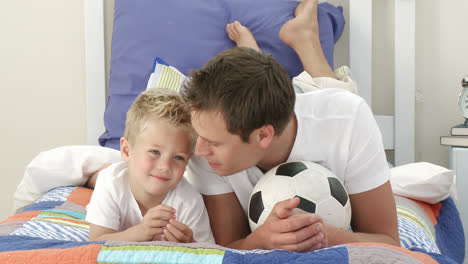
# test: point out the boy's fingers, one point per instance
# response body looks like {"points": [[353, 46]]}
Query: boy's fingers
{"points": [[158, 223], [169, 236], [180, 236], [163, 207], [160, 213], [178, 225]]}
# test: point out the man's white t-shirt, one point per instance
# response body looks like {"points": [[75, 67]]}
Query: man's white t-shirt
{"points": [[335, 128], [113, 206]]}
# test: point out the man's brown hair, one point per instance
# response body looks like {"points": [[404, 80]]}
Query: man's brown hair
{"points": [[249, 88]]}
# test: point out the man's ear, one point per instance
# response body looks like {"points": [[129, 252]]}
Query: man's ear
{"points": [[265, 135], [124, 149]]}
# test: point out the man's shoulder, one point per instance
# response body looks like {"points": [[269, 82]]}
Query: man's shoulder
{"points": [[329, 94], [328, 102], [114, 175]]}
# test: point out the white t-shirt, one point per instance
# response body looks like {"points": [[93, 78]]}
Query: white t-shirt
{"points": [[336, 129], [113, 206]]}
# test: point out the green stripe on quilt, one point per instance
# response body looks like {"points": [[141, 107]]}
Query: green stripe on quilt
{"points": [[159, 254], [64, 222], [62, 213], [407, 213]]}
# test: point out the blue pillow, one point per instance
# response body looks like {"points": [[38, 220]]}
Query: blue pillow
{"points": [[186, 34]]}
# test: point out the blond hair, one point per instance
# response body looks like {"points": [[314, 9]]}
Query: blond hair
{"points": [[153, 104]]}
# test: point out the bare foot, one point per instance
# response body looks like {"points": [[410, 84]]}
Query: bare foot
{"points": [[302, 34], [241, 36], [304, 27]]}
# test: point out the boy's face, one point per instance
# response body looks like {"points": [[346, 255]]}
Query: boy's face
{"points": [[158, 157], [225, 152]]}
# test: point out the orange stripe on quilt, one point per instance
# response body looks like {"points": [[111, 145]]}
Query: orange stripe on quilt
{"points": [[426, 259], [85, 255], [80, 196], [432, 210], [26, 216]]}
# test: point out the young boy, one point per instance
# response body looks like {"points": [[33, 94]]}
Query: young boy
{"points": [[145, 197]]}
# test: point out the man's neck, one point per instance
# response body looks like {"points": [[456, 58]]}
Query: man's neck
{"points": [[280, 147]]}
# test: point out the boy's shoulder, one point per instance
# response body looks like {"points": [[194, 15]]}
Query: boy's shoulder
{"points": [[185, 188], [114, 174], [184, 193]]}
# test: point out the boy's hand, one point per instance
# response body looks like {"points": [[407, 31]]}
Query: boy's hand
{"points": [[155, 220], [178, 232]]}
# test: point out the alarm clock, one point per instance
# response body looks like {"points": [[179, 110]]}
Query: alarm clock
{"points": [[463, 98]]}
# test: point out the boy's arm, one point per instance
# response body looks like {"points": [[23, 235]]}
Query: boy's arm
{"points": [[134, 233], [151, 228]]}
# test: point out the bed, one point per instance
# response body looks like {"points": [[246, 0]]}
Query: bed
{"points": [[49, 226]]}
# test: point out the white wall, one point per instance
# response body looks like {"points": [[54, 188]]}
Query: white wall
{"points": [[441, 63], [42, 77], [42, 84]]}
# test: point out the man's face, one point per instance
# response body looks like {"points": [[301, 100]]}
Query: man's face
{"points": [[225, 152]]}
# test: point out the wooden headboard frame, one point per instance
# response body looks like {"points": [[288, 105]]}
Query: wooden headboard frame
{"points": [[398, 130]]}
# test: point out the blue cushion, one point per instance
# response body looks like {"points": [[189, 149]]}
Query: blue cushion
{"points": [[186, 34]]}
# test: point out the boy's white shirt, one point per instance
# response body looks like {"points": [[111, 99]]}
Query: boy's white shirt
{"points": [[113, 205]]}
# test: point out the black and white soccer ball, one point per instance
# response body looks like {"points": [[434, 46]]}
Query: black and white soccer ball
{"points": [[319, 190]]}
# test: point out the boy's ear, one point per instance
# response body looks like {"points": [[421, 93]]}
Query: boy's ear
{"points": [[265, 135], [124, 149]]}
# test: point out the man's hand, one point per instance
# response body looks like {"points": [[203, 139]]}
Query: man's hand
{"points": [[155, 221], [284, 229], [178, 232]]}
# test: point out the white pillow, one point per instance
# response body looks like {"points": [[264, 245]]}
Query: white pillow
{"points": [[423, 181], [62, 166]]}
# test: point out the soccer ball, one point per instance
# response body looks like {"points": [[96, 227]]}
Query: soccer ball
{"points": [[319, 190]]}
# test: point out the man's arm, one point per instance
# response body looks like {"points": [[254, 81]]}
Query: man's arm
{"points": [[373, 219], [281, 230], [227, 219]]}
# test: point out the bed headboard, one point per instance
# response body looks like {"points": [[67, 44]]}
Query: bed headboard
{"points": [[397, 130]]}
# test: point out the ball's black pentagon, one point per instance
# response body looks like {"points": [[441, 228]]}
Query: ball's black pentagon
{"points": [[256, 206], [306, 205], [338, 191], [291, 168]]}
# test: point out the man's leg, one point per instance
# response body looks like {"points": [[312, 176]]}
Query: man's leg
{"points": [[241, 36], [302, 34]]}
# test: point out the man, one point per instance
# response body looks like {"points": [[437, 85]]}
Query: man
{"points": [[249, 120]]}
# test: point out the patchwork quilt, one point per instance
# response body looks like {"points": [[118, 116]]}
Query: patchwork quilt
{"points": [[53, 230]]}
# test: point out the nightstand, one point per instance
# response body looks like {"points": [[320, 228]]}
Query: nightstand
{"points": [[459, 164]]}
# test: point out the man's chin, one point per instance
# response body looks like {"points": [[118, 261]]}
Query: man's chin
{"points": [[225, 172]]}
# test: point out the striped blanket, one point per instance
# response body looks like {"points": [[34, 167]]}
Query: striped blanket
{"points": [[54, 230]]}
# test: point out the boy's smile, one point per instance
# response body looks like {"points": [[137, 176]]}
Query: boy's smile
{"points": [[157, 159]]}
